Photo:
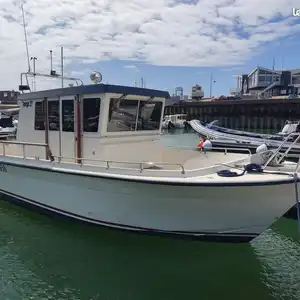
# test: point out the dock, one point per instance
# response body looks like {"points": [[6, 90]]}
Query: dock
{"points": [[251, 115]]}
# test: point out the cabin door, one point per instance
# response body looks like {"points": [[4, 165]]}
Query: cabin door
{"points": [[68, 128]]}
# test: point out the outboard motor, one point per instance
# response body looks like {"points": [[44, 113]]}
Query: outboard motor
{"points": [[263, 153], [262, 148], [207, 145]]}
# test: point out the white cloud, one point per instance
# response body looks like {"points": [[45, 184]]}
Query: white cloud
{"points": [[200, 33], [130, 67]]}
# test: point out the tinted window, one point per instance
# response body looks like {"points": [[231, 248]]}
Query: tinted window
{"points": [[39, 121], [53, 115], [91, 111], [68, 115], [149, 115], [122, 115]]}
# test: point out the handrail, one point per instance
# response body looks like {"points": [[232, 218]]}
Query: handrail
{"points": [[82, 159], [109, 162], [226, 150], [23, 144], [282, 155], [51, 76]]}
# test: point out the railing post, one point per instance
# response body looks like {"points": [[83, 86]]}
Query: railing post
{"points": [[23, 147], [3, 149], [182, 170]]}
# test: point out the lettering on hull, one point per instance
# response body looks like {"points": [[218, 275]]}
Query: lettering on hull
{"points": [[3, 168], [27, 104]]}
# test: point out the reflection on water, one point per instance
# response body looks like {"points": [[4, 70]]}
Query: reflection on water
{"points": [[43, 258], [278, 250]]}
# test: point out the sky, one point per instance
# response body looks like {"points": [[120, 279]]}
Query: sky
{"points": [[170, 43]]}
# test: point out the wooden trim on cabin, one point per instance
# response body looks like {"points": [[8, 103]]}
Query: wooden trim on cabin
{"points": [[78, 137], [45, 104]]}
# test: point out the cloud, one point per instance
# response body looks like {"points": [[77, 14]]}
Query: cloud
{"points": [[130, 67], [204, 33]]}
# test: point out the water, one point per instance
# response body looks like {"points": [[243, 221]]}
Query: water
{"points": [[42, 258]]}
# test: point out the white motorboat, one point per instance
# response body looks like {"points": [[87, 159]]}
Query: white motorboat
{"points": [[92, 153], [8, 122], [177, 121]]}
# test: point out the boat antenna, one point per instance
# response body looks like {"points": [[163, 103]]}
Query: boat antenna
{"points": [[62, 66], [26, 43], [51, 68], [25, 35]]}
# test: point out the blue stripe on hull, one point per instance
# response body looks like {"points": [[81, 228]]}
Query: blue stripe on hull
{"points": [[57, 213]]}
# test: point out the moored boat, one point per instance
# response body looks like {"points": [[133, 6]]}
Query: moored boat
{"points": [[92, 153], [176, 121], [212, 134]]}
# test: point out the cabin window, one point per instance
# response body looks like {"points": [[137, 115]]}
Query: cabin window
{"points": [[68, 115], [91, 111], [149, 115], [39, 122], [122, 115], [53, 115]]}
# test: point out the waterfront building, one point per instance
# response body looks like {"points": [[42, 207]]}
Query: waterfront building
{"points": [[266, 83], [8, 97]]}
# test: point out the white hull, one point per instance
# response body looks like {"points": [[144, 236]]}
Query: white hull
{"points": [[238, 213]]}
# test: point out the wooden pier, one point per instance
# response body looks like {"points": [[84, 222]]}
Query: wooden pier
{"points": [[262, 115]]}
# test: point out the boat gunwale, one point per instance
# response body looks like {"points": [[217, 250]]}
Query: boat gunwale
{"points": [[172, 181]]}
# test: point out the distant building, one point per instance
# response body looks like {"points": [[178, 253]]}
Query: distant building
{"points": [[265, 83], [197, 92], [179, 92], [8, 97]]}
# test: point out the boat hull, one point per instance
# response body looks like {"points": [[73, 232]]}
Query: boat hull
{"points": [[217, 213]]}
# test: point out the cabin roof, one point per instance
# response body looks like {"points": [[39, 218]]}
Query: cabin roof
{"points": [[93, 89]]}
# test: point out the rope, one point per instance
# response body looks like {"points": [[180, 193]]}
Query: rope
{"points": [[250, 168]]}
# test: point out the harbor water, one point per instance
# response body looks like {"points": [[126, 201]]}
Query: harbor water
{"points": [[46, 258]]}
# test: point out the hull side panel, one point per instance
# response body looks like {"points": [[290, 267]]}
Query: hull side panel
{"points": [[141, 206]]}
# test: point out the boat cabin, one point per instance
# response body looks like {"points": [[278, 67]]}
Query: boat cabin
{"points": [[94, 121]]}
